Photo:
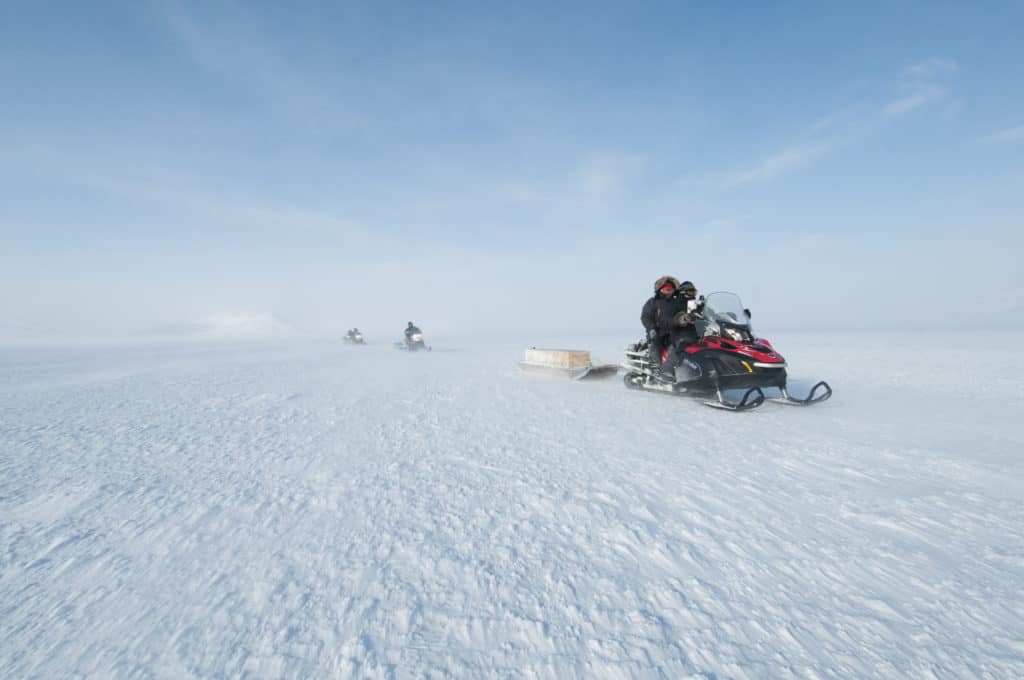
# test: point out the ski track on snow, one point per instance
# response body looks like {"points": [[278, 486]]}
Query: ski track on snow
{"points": [[314, 510]]}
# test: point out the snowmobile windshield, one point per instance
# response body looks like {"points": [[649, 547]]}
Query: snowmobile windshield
{"points": [[725, 308]]}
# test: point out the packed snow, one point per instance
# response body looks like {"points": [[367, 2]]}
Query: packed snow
{"points": [[308, 509]]}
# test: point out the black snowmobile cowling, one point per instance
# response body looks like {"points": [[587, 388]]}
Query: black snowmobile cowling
{"points": [[726, 356]]}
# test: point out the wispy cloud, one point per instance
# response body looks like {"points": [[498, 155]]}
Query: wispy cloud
{"points": [[778, 164], [607, 173], [932, 68], [914, 101], [250, 62], [783, 162], [1007, 136], [921, 84], [152, 181]]}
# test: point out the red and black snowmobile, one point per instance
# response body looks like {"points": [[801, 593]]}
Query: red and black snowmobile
{"points": [[726, 357]]}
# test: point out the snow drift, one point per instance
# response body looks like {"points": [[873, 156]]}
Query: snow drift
{"points": [[314, 510]]}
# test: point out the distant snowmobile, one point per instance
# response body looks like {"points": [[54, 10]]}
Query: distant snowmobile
{"points": [[413, 340], [726, 356], [354, 337]]}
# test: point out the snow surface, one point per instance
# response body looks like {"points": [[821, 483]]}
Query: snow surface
{"points": [[308, 509]]}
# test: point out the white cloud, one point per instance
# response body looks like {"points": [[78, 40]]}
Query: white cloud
{"points": [[250, 62], [932, 68], [922, 84], [781, 163], [140, 178], [607, 173], [913, 101], [1007, 136]]}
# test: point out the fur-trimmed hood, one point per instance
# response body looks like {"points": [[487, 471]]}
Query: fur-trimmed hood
{"points": [[662, 281]]}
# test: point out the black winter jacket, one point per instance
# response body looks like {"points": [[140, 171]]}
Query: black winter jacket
{"points": [[660, 311]]}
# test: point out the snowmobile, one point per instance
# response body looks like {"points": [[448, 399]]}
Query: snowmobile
{"points": [[413, 341], [726, 356], [354, 338]]}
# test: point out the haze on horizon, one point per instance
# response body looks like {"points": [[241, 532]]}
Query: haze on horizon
{"points": [[170, 165]]}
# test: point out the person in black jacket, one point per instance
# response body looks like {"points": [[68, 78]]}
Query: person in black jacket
{"points": [[685, 332], [667, 320]]}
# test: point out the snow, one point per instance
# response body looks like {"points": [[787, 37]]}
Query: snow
{"points": [[308, 509], [226, 327]]}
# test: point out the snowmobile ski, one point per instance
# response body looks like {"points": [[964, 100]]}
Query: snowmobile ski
{"points": [[813, 397], [751, 399]]}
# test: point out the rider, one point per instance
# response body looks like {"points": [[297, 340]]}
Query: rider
{"points": [[658, 316], [685, 332], [669, 323], [410, 330]]}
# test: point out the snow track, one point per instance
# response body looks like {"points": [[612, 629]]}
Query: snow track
{"points": [[314, 510]]}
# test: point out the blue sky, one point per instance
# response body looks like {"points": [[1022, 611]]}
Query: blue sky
{"points": [[521, 166]]}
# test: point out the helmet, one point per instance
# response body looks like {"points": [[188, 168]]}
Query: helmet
{"points": [[688, 289], [666, 279]]}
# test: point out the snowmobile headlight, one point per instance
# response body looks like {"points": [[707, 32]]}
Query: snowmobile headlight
{"points": [[416, 337]]}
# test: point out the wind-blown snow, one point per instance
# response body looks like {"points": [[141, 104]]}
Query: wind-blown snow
{"points": [[316, 510], [229, 327]]}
